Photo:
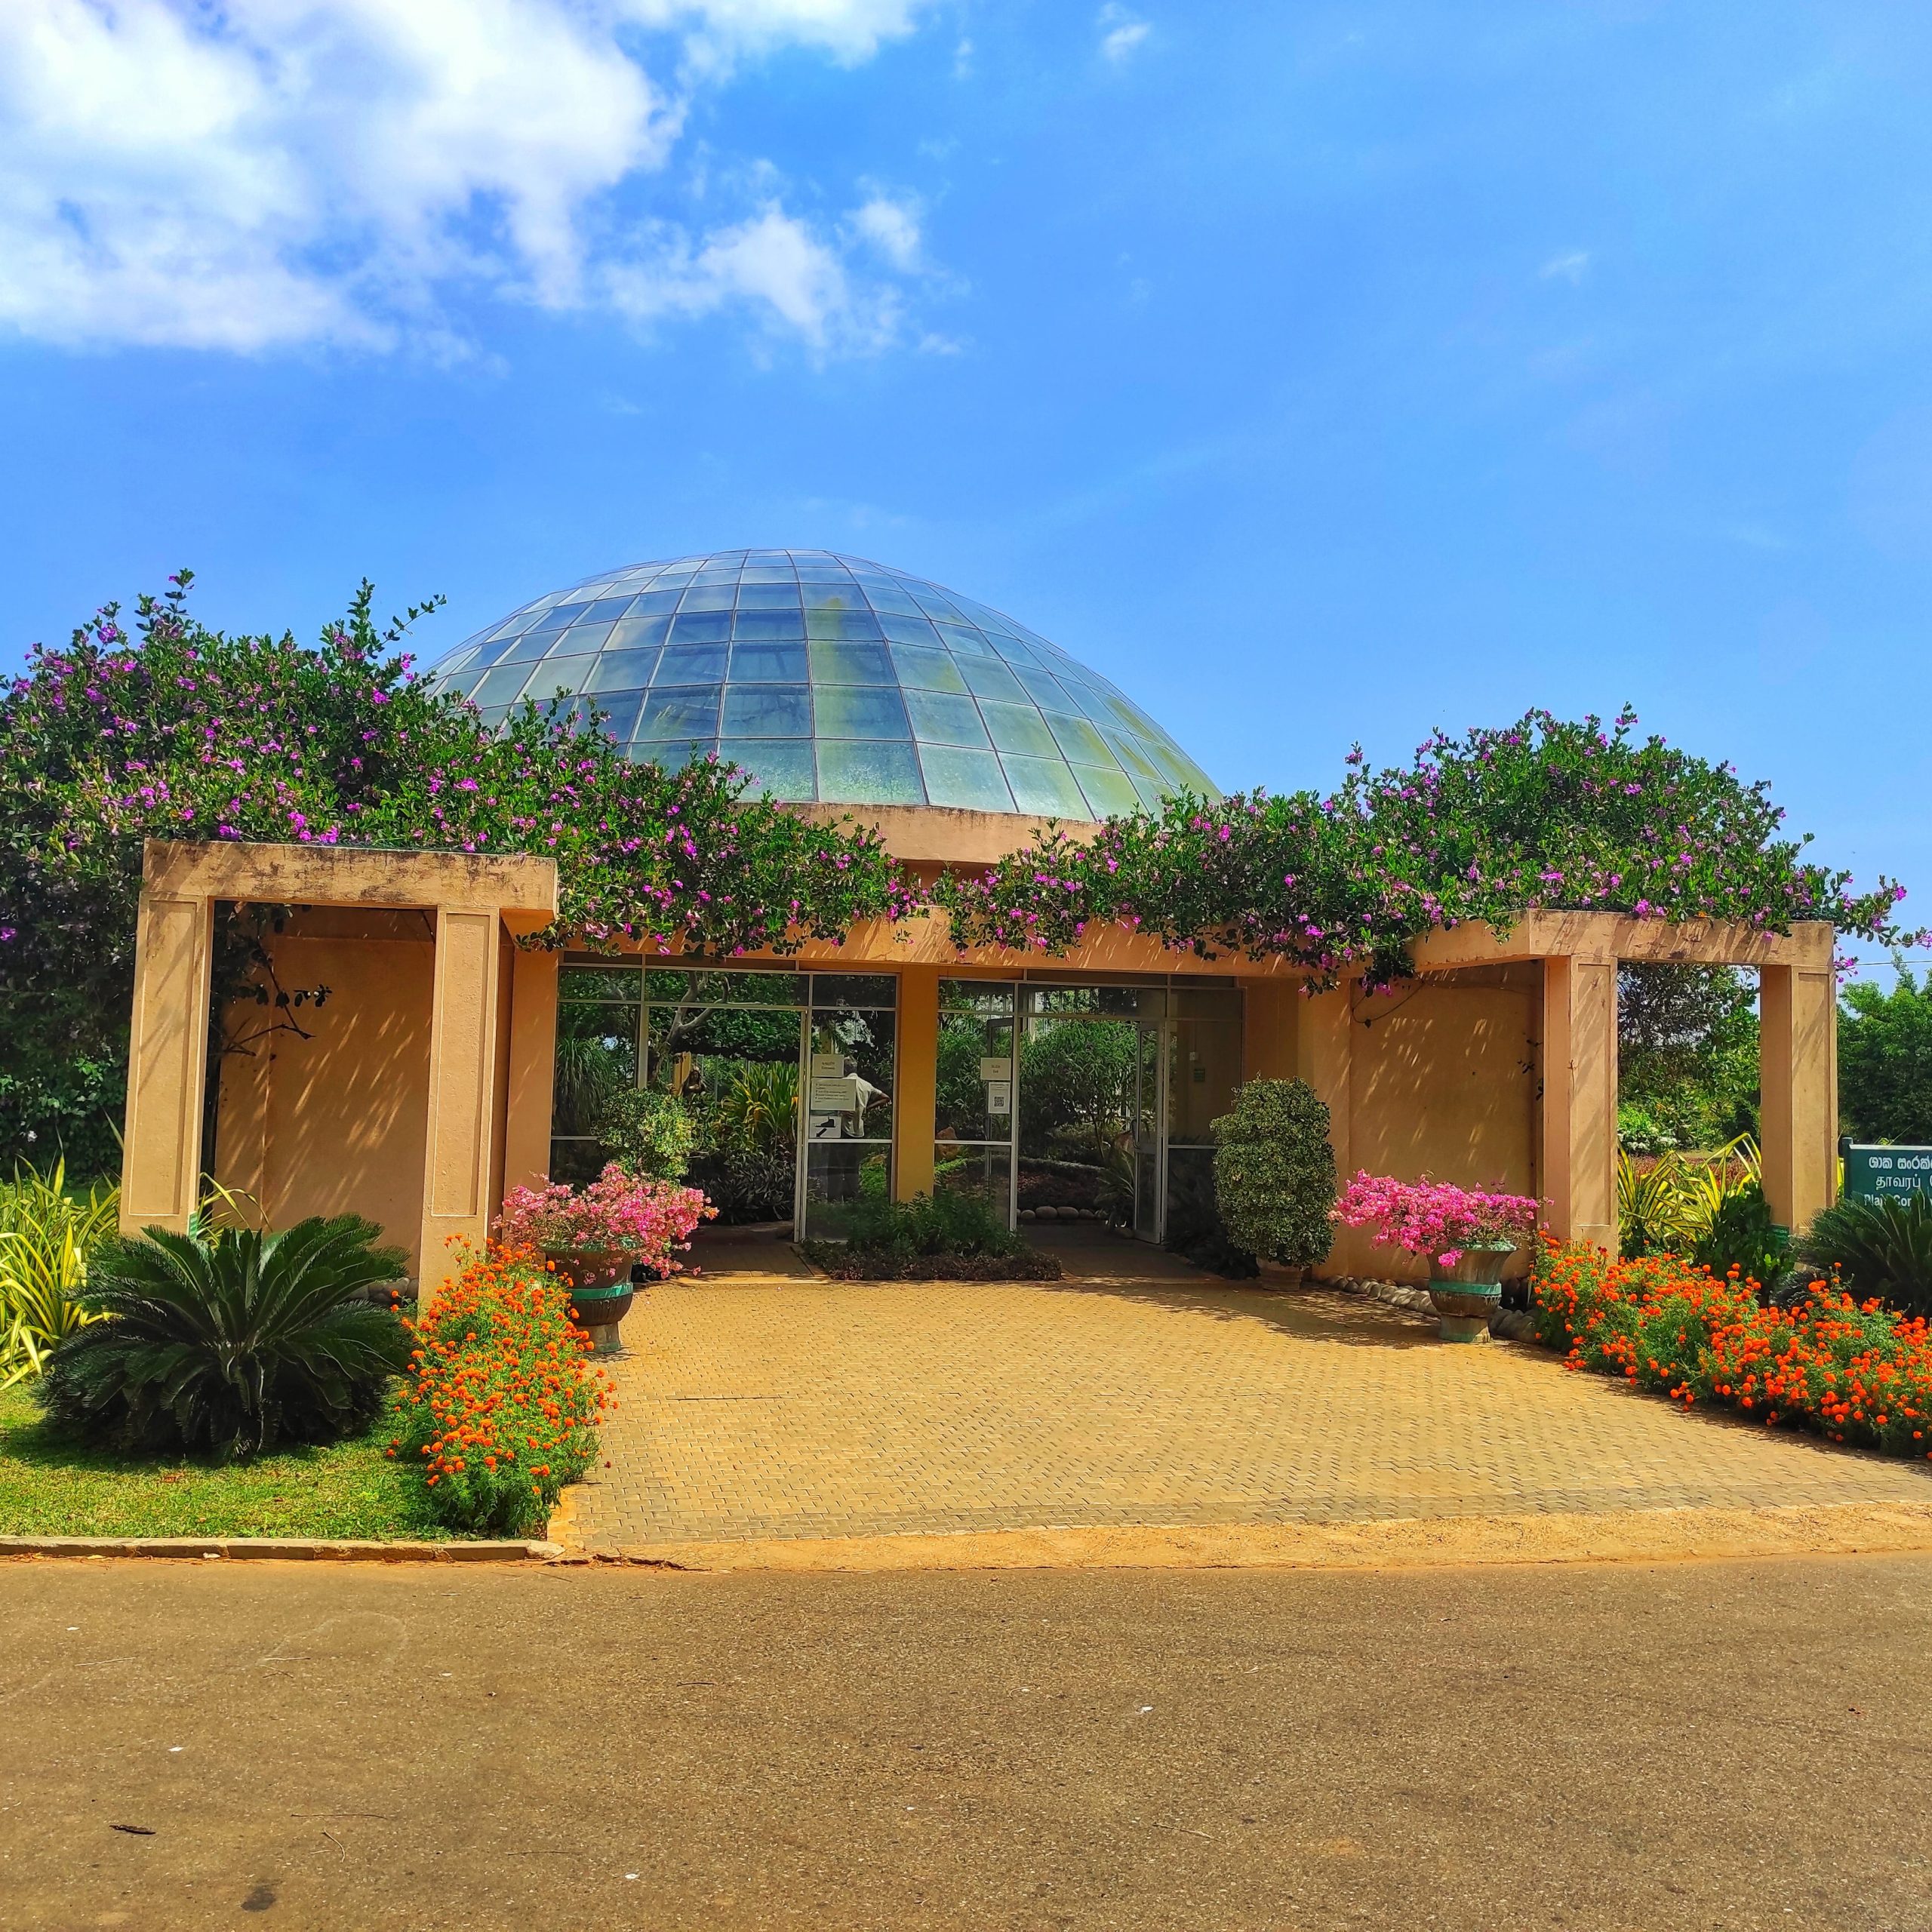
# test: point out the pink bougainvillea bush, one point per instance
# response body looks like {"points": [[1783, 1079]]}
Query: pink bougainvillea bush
{"points": [[650, 1220], [1435, 1218]]}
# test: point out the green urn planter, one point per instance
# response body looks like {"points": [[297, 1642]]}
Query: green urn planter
{"points": [[601, 1292], [1468, 1292]]}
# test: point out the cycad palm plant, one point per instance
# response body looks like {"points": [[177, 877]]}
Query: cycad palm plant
{"points": [[230, 1340]]}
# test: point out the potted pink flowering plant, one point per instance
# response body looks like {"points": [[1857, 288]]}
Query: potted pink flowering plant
{"points": [[1466, 1235], [599, 1237]]}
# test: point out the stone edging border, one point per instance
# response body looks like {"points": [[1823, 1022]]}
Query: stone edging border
{"points": [[316, 1549]]}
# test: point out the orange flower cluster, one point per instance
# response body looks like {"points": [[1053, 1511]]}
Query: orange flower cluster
{"points": [[1852, 1370], [502, 1411]]}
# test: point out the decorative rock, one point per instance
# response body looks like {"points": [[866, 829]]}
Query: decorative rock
{"points": [[1514, 1324], [1047, 1213], [1029, 1214]]}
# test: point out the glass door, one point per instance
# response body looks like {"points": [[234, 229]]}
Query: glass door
{"points": [[1150, 1192], [850, 1068], [974, 1113]]}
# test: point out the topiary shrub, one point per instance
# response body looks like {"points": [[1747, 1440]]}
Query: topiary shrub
{"points": [[232, 1341], [1879, 1248], [1275, 1172]]}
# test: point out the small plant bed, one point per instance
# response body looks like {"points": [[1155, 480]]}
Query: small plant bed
{"points": [[931, 1238], [838, 1259], [1848, 1369], [51, 1485]]}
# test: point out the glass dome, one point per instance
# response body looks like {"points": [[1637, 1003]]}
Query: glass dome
{"points": [[829, 678]]}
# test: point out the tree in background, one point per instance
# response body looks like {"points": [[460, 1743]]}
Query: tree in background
{"points": [[1885, 1061], [1687, 1055]]}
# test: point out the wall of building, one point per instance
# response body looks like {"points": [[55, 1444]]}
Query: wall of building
{"points": [[337, 1123]]}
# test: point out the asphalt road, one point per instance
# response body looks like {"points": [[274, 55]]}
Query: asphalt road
{"points": [[1705, 1745]]}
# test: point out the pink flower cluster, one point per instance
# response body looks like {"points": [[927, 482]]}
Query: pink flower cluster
{"points": [[647, 1220], [1435, 1217]]}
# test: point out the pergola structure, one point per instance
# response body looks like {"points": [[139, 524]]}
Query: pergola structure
{"points": [[423, 1091]]}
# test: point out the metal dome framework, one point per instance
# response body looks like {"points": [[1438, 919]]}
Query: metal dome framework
{"points": [[832, 679]]}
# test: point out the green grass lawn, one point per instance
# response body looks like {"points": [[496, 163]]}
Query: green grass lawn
{"points": [[50, 1487]]}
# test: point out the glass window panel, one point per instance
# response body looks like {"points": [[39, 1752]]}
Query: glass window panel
{"points": [[838, 1175], [491, 716], [859, 711], [913, 629], [876, 773], [785, 768], [576, 1161], [889, 597], [940, 718], [596, 1057], [704, 986], [687, 713], [1133, 760], [701, 627], [487, 654], [608, 980], [605, 609], [691, 664], [501, 685], [990, 997], [767, 710], [760, 577], [848, 627], [775, 595], [620, 709], [621, 670], [1103, 1002], [458, 662], [768, 626], [925, 670], [986, 677], [1041, 784], [1079, 742], [968, 643], [855, 989], [709, 597], [849, 664], [1017, 651], [654, 603], [635, 633], [772, 663], [937, 606], [669, 754], [983, 1171], [566, 614], [1019, 728], [568, 673], [532, 644], [971, 780], [975, 1074], [1109, 792], [1043, 688]]}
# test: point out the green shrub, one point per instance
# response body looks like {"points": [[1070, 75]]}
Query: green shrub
{"points": [[758, 1112], [649, 1134], [1879, 1248], [234, 1341], [1275, 1173], [931, 1224], [47, 1235], [1741, 1235]]}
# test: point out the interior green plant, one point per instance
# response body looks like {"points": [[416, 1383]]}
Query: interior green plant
{"points": [[648, 1134], [965, 1223], [228, 1339], [758, 1108], [47, 1234], [1275, 1172], [1880, 1248]]}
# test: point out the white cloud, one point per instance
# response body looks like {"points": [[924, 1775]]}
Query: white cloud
{"points": [[892, 227], [288, 171], [1121, 33], [1570, 266]]}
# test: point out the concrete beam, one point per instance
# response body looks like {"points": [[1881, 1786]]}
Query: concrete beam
{"points": [[1578, 1163], [462, 1078], [167, 1054]]}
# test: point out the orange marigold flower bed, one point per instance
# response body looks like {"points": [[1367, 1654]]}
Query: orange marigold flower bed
{"points": [[503, 1409], [1851, 1370]]}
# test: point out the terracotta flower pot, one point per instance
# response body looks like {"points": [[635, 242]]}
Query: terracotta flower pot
{"points": [[1469, 1291]]}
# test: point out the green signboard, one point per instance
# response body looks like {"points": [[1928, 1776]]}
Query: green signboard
{"points": [[1873, 1173]]}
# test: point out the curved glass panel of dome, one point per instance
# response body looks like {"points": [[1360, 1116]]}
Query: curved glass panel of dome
{"points": [[827, 678]]}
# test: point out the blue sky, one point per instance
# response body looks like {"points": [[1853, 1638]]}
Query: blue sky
{"points": [[1316, 372]]}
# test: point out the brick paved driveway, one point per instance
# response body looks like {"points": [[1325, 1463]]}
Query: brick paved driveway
{"points": [[763, 1401]]}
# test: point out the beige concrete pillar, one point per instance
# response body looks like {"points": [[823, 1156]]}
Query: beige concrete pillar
{"points": [[532, 1056], [914, 1106], [1324, 1057], [1270, 1014], [1579, 1164], [1798, 1084], [463, 1081], [168, 1053]]}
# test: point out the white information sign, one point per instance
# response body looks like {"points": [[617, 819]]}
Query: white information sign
{"points": [[826, 1126], [995, 1070], [999, 1097], [828, 1066], [836, 1095]]}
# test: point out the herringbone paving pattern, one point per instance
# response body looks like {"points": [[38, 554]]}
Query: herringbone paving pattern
{"points": [[1137, 1392]]}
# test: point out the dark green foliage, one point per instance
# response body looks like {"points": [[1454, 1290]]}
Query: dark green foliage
{"points": [[1881, 1248], [942, 1223], [1077, 1085], [1885, 1061], [962, 1094], [746, 1184], [234, 1342], [1687, 1058], [1275, 1172], [1742, 1235], [1194, 1230]]}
